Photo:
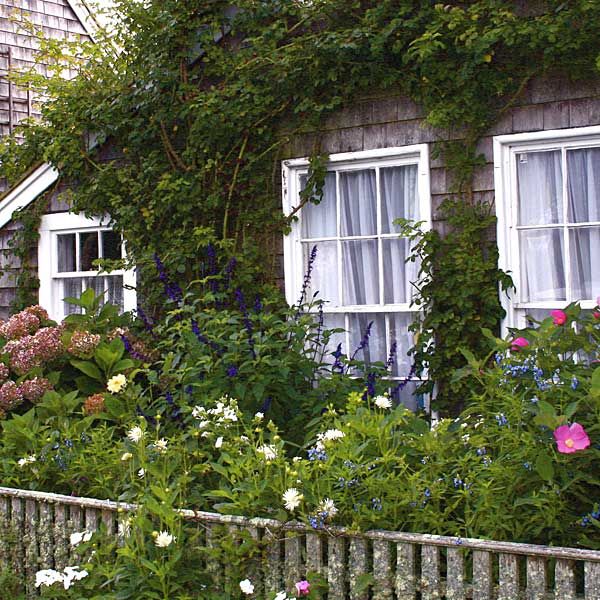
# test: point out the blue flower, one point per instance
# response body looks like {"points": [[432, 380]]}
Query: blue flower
{"points": [[574, 383], [232, 371], [317, 454], [501, 420], [481, 451], [376, 504]]}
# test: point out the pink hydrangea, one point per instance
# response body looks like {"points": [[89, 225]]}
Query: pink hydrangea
{"points": [[4, 372], [34, 389], [518, 343], [32, 351], [10, 395], [559, 317], [19, 325], [303, 588], [571, 438], [83, 344]]}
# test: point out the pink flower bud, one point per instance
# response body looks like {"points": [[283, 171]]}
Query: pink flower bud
{"points": [[518, 343], [303, 588], [559, 317]]}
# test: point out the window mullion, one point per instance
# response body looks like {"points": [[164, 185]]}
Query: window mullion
{"points": [[565, 227], [77, 252], [338, 238], [378, 201]]}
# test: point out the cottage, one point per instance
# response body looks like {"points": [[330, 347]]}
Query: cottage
{"points": [[541, 171]]}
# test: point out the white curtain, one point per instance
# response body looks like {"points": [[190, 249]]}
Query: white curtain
{"points": [[399, 196], [539, 177], [358, 207], [584, 207], [320, 220]]}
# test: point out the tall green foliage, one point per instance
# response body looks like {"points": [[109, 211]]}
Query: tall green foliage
{"points": [[190, 116]]}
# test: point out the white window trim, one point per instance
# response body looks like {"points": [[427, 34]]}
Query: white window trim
{"points": [[292, 251], [57, 223], [505, 146]]}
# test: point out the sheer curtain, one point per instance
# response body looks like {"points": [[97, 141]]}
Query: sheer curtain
{"points": [[358, 207], [539, 177], [399, 200], [584, 207]]}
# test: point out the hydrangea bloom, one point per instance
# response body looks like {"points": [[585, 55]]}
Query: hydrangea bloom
{"points": [[34, 389], [21, 324], [83, 344], [10, 395], [571, 438], [93, 404]]}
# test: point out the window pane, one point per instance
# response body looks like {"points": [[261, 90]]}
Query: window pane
{"points": [[404, 393], [111, 245], [66, 253], [358, 203], [584, 255], [66, 288], [335, 321], [320, 220], [88, 249], [398, 196], [542, 266], [323, 278], [374, 350], [360, 272], [398, 275], [109, 286], [403, 338], [583, 168], [539, 178]]}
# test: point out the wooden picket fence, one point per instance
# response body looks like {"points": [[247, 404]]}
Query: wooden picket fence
{"points": [[381, 565]]}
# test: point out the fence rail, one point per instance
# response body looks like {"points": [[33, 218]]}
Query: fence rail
{"points": [[381, 565]]}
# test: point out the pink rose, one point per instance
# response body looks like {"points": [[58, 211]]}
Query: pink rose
{"points": [[571, 438], [559, 317], [518, 343], [303, 588]]}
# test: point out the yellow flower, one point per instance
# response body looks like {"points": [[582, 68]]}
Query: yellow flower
{"points": [[117, 383]]}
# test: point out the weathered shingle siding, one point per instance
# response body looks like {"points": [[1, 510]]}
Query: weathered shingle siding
{"points": [[393, 120], [18, 50]]}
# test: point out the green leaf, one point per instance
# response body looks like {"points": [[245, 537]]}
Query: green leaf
{"points": [[544, 467], [88, 368]]}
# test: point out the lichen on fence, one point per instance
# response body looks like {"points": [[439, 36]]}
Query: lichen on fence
{"points": [[35, 528]]}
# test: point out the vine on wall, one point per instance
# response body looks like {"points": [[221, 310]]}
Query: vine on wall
{"points": [[202, 99]]}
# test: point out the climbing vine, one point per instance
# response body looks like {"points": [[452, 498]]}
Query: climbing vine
{"points": [[182, 128]]}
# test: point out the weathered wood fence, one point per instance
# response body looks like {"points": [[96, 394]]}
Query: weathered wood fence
{"points": [[35, 528]]}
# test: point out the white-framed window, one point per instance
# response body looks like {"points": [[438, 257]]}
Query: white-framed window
{"points": [[68, 245], [360, 269], [548, 207]]}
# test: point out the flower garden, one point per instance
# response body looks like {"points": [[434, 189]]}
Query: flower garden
{"points": [[234, 404]]}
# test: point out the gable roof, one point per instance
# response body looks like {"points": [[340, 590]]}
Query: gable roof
{"points": [[86, 17], [36, 181]]}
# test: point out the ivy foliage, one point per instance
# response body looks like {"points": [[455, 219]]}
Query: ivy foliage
{"points": [[179, 115]]}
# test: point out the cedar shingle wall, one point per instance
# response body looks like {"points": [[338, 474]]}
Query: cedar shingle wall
{"points": [[57, 21], [396, 121]]}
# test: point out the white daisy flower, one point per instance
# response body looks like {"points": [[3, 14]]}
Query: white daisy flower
{"points": [[219, 442], [163, 539], [161, 445], [81, 536], [382, 402], [135, 434], [246, 587], [327, 505], [332, 434], [268, 451], [292, 499]]}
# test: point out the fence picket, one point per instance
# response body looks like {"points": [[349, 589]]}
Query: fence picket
{"points": [[482, 575], [336, 568], [61, 538], [293, 559], [430, 573], [16, 537], [4, 531], [536, 578], [357, 569], [382, 570], [35, 533], [508, 569], [273, 575], [30, 541], [592, 580], [455, 574], [406, 588]]}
